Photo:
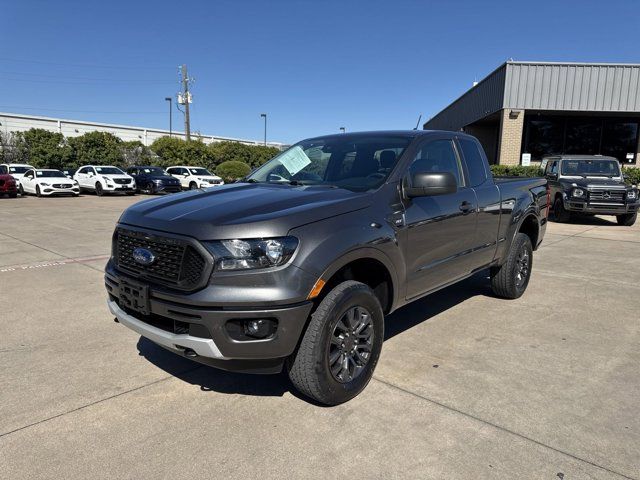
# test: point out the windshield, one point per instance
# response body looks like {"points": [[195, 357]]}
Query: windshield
{"points": [[199, 171], [354, 162], [596, 168], [153, 171], [19, 169], [109, 171], [50, 174]]}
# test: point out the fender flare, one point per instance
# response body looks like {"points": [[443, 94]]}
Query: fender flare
{"points": [[366, 253]]}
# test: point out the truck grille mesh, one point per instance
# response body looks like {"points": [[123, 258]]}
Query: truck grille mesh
{"points": [[607, 195], [176, 263]]}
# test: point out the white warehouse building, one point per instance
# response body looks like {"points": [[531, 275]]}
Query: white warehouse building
{"points": [[18, 122]]}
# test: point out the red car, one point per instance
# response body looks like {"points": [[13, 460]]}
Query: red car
{"points": [[8, 186]]}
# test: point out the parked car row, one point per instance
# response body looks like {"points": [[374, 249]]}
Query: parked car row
{"points": [[102, 179]]}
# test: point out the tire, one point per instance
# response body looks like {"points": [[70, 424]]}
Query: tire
{"points": [[560, 215], [38, 192], [310, 369], [627, 219], [510, 280], [193, 186], [99, 189], [21, 190]]}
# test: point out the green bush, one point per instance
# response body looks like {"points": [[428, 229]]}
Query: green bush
{"points": [[516, 170], [633, 175], [97, 148], [42, 148], [252, 155], [232, 170]]}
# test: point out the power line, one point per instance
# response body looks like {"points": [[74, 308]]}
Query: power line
{"points": [[67, 82], [82, 65], [103, 79], [80, 111]]}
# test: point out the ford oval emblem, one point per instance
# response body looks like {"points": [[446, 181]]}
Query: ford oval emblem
{"points": [[143, 256]]}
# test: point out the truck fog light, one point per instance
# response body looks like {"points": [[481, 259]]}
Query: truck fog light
{"points": [[259, 327]]}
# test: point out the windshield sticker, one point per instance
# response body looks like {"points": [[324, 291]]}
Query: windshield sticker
{"points": [[294, 160]]}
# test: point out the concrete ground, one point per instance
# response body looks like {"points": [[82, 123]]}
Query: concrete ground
{"points": [[468, 386]]}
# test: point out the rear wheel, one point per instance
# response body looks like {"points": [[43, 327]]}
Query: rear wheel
{"points": [[99, 189], [559, 213], [341, 346], [510, 280], [628, 219]]}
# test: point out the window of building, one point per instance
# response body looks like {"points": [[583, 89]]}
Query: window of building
{"points": [[546, 135]]}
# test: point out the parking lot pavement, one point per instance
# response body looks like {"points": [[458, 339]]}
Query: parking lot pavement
{"points": [[468, 386]]}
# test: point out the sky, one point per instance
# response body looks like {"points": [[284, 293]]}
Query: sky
{"points": [[311, 66]]}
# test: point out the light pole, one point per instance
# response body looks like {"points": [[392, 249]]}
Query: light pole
{"points": [[342, 129], [264, 115], [170, 100]]}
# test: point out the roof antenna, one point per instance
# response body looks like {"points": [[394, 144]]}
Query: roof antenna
{"points": [[417, 124]]}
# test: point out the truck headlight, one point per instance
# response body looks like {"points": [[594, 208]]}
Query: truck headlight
{"points": [[578, 192], [250, 254], [632, 194]]}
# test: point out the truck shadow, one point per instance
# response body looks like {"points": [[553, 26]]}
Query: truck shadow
{"points": [[210, 379]]}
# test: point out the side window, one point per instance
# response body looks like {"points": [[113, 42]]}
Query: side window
{"points": [[554, 167], [474, 160], [170, 171], [438, 156], [3, 170], [29, 174]]}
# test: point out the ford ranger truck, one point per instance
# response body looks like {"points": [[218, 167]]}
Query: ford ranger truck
{"points": [[297, 265]]}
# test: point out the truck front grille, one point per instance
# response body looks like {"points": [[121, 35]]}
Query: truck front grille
{"points": [[176, 263], [603, 195]]}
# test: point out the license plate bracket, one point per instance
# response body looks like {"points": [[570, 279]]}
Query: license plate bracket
{"points": [[134, 296]]}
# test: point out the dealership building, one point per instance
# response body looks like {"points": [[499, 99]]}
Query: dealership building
{"points": [[523, 111]]}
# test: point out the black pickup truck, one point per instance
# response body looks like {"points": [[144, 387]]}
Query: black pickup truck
{"points": [[297, 265], [590, 185]]}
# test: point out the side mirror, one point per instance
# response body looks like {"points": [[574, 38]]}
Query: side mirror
{"points": [[552, 176], [423, 184], [186, 174]]}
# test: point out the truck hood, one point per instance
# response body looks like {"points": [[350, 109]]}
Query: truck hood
{"points": [[242, 210], [595, 182]]}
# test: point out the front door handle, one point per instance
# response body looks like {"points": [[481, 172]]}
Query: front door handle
{"points": [[466, 207]]}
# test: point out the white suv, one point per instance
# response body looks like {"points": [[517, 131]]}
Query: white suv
{"points": [[16, 170], [194, 177], [104, 179]]}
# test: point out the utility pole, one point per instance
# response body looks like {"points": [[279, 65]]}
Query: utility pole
{"points": [[186, 100], [264, 115], [170, 100]]}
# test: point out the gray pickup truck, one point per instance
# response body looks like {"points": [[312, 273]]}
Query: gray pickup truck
{"points": [[297, 265]]}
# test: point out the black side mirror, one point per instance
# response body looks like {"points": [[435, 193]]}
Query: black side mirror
{"points": [[552, 176], [422, 184]]}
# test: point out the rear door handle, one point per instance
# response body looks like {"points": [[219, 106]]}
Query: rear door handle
{"points": [[466, 207]]}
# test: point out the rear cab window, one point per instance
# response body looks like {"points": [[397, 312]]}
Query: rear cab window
{"points": [[474, 161]]}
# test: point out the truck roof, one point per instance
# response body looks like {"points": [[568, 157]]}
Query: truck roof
{"points": [[393, 133], [579, 157]]}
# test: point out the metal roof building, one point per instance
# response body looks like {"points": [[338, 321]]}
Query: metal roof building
{"points": [[17, 122], [523, 111]]}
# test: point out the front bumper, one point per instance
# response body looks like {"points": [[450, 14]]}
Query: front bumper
{"points": [[161, 188], [129, 187], [60, 191], [180, 326], [600, 208]]}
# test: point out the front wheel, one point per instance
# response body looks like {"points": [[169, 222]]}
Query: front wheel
{"points": [[510, 280], [193, 186], [21, 190], [38, 192], [99, 189], [627, 219], [559, 213], [341, 346]]}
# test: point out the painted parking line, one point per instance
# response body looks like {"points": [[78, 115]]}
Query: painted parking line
{"points": [[51, 263]]}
